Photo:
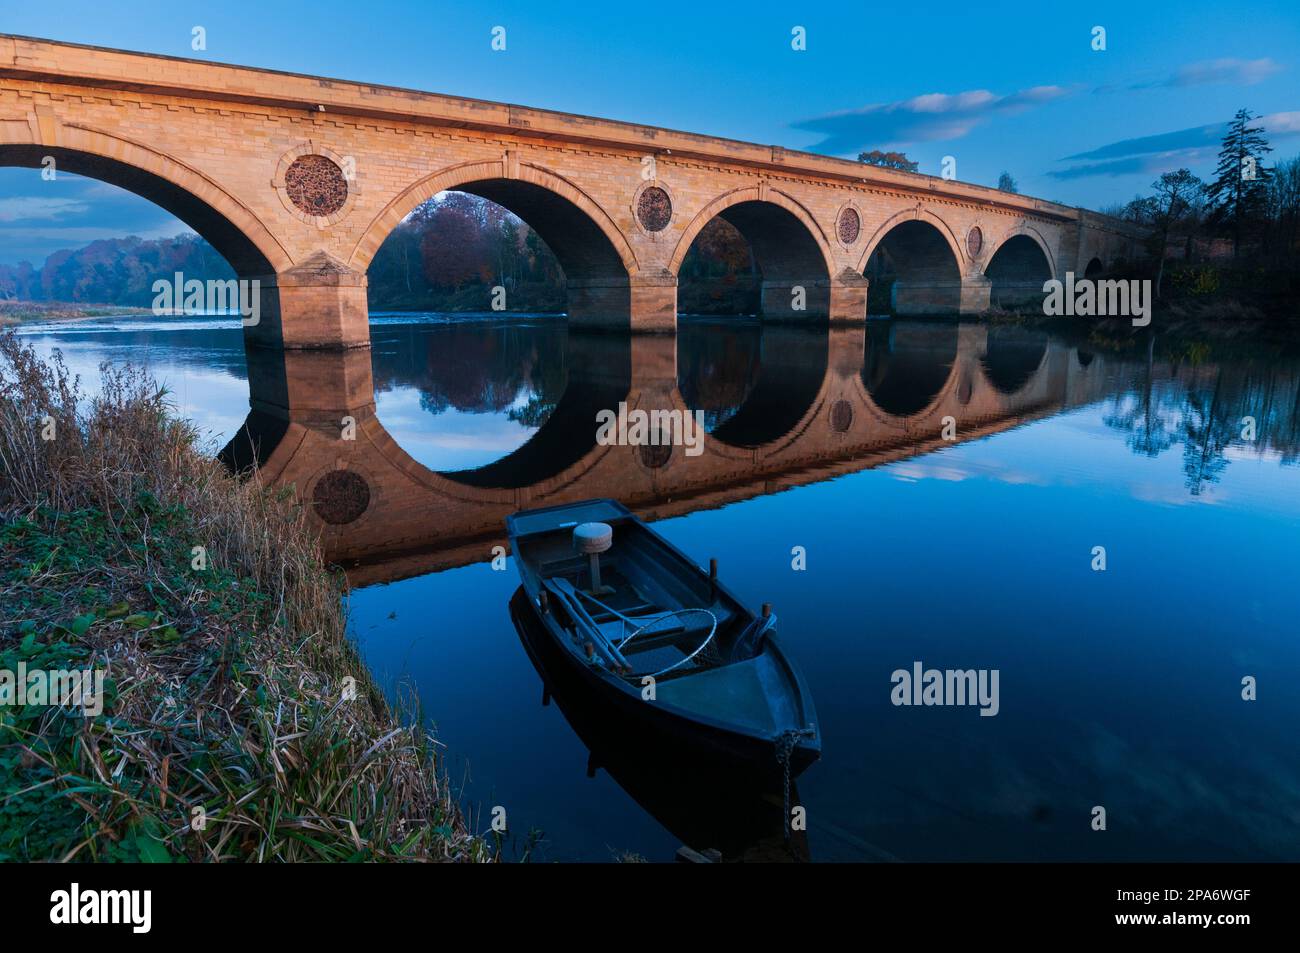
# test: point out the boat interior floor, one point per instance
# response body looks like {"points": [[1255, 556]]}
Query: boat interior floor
{"points": [[622, 606]]}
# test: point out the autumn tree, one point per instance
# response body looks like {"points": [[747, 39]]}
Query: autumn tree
{"points": [[719, 251], [888, 160]]}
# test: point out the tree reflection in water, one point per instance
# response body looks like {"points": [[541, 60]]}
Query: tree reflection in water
{"points": [[1208, 408]]}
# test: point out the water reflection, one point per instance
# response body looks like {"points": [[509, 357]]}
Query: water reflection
{"points": [[717, 365], [1119, 688], [906, 366], [519, 403], [1012, 357], [1215, 412], [491, 384]]}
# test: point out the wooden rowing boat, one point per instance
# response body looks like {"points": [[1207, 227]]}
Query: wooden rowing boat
{"points": [[661, 643]]}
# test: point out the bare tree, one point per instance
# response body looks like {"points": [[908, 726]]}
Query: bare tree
{"points": [[1175, 195], [1284, 206]]}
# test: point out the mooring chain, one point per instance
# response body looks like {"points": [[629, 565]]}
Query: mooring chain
{"points": [[784, 746]]}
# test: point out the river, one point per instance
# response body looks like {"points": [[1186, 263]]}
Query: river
{"points": [[1119, 688]]}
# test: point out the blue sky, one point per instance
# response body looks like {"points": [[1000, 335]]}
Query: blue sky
{"points": [[997, 86]]}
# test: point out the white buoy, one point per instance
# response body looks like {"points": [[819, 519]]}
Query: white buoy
{"points": [[593, 539]]}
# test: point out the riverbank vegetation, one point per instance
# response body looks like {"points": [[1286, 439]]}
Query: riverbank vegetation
{"points": [[238, 722], [1225, 249], [24, 312]]}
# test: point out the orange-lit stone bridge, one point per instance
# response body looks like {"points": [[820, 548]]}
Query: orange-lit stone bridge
{"points": [[297, 180]]}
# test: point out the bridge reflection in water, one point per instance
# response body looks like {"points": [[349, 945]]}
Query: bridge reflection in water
{"points": [[821, 403]]}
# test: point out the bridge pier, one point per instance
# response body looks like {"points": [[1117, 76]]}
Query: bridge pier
{"points": [[969, 295], [848, 304], [839, 299], [642, 304], [318, 304], [654, 303], [975, 294]]}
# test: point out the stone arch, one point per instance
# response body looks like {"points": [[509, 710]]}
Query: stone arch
{"points": [[923, 214], [501, 182], [225, 222], [1028, 231], [597, 259], [1017, 267], [753, 194], [789, 247], [927, 259], [1094, 268]]}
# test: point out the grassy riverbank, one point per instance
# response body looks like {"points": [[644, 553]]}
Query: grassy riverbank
{"points": [[229, 729], [34, 312]]}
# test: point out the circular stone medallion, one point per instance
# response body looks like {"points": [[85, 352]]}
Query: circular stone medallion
{"points": [[850, 225], [340, 496], [654, 209], [316, 185], [841, 416], [654, 456]]}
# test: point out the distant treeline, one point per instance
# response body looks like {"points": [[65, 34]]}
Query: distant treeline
{"points": [[113, 271], [448, 255]]}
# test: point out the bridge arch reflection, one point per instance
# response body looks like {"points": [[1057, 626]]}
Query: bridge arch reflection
{"points": [[791, 374], [1012, 359], [987, 381], [907, 367]]}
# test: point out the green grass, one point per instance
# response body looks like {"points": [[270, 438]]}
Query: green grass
{"points": [[238, 721]]}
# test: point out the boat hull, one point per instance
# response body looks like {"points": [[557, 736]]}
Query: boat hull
{"points": [[655, 731]]}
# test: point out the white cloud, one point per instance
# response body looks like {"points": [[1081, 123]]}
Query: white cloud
{"points": [[1226, 70], [33, 208], [926, 118]]}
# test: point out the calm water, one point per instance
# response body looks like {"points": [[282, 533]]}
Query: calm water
{"points": [[1119, 688]]}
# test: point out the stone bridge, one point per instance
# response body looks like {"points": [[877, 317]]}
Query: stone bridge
{"points": [[297, 181], [827, 401]]}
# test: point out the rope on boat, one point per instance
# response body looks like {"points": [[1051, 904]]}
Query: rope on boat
{"points": [[713, 628], [785, 743]]}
